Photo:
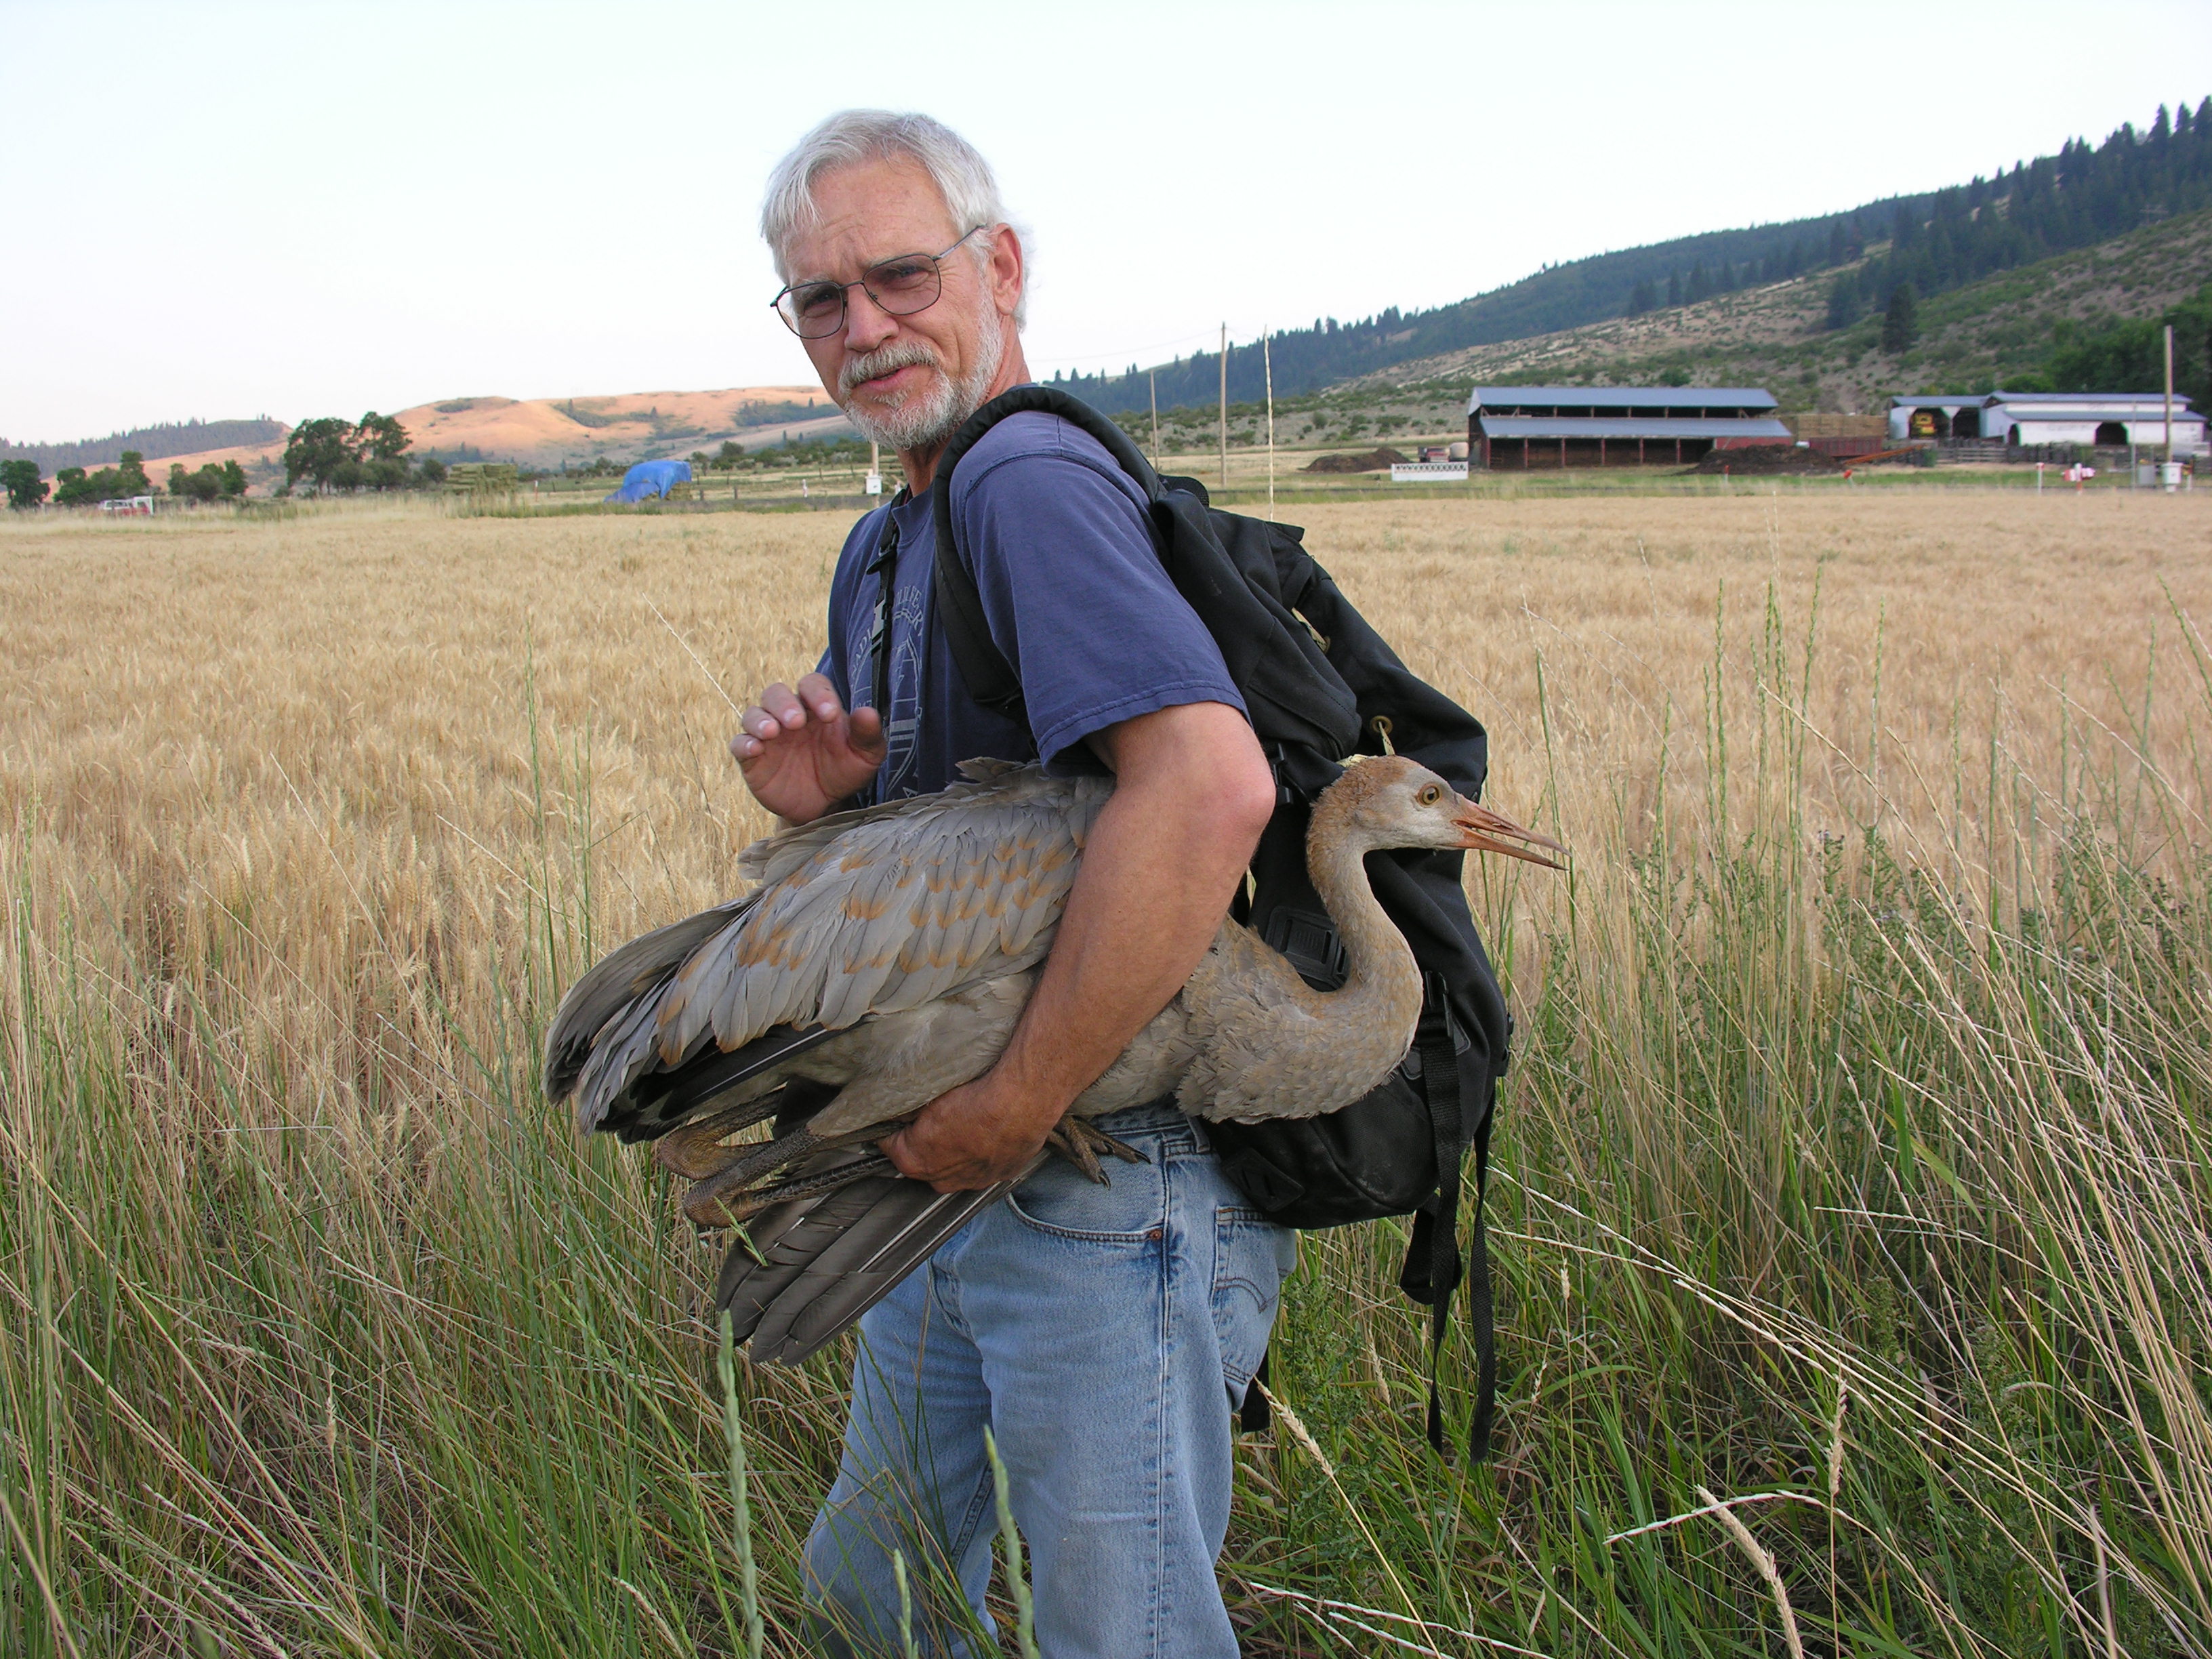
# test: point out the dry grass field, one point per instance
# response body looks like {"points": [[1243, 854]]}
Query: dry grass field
{"points": [[1854, 1159]]}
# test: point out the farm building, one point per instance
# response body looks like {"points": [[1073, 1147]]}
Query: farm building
{"points": [[1525, 428], [2111, 420], [1844, 436]]}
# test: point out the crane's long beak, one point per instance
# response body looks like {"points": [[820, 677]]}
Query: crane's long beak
{"points": [[1482, 831]]}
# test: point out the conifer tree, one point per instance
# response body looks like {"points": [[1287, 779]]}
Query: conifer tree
{"points": [[1900, 323], [1843, 301]]}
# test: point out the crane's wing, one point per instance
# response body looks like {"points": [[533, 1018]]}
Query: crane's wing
{"points": [[813, 1265], [862, 914]]}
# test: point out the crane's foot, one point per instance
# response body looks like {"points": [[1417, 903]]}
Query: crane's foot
{"points": [[1080, 1143], [744, 1186], [704, 1202], [695, 1151]]}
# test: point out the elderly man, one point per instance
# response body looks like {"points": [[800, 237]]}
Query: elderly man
{"points": [[1101, 1334]]}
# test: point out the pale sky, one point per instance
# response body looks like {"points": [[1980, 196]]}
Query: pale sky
{"points": [[316, 208]]}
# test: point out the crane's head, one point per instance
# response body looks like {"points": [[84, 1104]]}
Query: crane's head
{"points": [[1391, 801]]}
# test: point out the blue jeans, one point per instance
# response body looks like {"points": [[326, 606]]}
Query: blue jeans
{"points": [[1104, 1334]]}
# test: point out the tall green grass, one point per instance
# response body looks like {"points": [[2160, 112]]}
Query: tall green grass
{"points": [[1852, 1176]]}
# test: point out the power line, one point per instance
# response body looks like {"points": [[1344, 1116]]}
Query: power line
{"points": [[1129, 354]]}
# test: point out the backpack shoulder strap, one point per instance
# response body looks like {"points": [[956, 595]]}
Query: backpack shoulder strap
{"points": [[1229, 569], [990, 679]]}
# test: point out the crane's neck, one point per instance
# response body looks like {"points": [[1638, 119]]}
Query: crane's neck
{"points": [[1270, 1045], [1381, 997]]}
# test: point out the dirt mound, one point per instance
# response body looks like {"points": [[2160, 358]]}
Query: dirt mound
{"points": [[1767, 461], [1373, 460]]}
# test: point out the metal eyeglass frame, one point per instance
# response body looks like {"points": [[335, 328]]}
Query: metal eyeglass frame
{"points": [[844, 304]]}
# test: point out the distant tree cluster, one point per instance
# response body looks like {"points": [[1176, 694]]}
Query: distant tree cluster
{"points": [[25, 486], [814, 452], [74, 487], [736, 458], [331, 454], [1726, 277], [2131, 356], [153, 443], [2082, 194], [722, 460], [211, 483]]}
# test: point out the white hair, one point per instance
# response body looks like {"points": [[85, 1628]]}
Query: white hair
{"points": [[853, 136]]}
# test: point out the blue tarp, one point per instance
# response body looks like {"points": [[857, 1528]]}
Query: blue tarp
{"points": [[651, 478]]}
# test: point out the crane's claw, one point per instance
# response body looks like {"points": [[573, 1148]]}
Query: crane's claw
{"points": [[1079, 1143], [1077, 1153]]}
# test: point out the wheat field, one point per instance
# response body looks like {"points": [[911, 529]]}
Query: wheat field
{"points": [[1852, 1173]]}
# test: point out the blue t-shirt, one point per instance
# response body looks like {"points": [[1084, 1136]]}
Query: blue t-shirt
{"points": [[1075, 595]]}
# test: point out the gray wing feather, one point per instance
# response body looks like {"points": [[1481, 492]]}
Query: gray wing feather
{"points": [[862, 913], [823, 1262], [594, 1003]]}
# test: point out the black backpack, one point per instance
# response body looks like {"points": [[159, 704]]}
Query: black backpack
{"points": [[1320, 685]]}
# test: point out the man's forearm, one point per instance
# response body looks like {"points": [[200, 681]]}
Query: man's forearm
{"points": [[1163, 860], [1145, 905]]}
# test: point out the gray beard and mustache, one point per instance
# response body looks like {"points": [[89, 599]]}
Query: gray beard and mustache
{"points": [[923, 419]]}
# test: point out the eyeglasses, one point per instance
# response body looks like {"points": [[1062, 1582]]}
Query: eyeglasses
{"points": [[901, 285]]}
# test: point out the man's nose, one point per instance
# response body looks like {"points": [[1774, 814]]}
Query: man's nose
{"points": [[867, 324]]}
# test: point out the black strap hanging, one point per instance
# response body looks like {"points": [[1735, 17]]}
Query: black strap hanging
{"points": [[1253, 1416], [1433, 1269], [885, 569], [1479, 1315]]}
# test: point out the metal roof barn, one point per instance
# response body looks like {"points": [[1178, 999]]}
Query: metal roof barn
{"points": [[2095, 419], [1525, 428]]}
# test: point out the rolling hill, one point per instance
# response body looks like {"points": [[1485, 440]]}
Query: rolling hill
{"points": [[2001, 329], [546, 433], [552, 432], [1939, 241]]}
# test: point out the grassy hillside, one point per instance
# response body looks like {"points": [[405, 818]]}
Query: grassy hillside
{"points": [[550, 432], [2003, 328], [1937, 242]]}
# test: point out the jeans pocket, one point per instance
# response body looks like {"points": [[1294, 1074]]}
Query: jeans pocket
{"points": [[1061, 1201], [1252, 1256]]}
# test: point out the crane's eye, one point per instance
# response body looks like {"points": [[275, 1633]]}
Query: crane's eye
{"points": [[1430, 795]]}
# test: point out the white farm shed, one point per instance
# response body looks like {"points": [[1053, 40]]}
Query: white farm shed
{"points": [[2111, 420]]}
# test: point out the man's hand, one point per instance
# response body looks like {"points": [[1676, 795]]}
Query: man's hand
{"points": [[974, 1137], [801, 753]]}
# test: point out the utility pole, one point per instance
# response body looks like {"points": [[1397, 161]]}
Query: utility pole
{"points": [[1268, 367], [1153, 375], [1224, 405], [2169, 403]]}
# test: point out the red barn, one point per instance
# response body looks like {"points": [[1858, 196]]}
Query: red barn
{"points": [[1530, 427]]}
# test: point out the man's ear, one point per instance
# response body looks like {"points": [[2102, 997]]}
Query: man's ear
{"points": [[1009, 268]]}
